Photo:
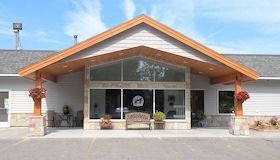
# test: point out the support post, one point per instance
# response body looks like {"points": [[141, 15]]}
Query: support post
{"points": [[38, 102], [238, 88], [239, 123], [37, 123]]}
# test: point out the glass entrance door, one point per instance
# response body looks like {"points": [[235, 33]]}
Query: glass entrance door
{"points": [[138, 101], [4, 109]]}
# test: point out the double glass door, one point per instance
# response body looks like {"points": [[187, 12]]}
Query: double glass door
{"points": [[4, 109]]}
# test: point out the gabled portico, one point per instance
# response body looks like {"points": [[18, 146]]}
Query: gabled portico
{"points": [[140, 37]]}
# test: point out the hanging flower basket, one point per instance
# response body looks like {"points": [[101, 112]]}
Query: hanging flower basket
{"points": [[242, 96], [37, 93]]}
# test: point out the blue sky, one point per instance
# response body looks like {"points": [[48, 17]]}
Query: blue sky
{"points": [[235, 26]]}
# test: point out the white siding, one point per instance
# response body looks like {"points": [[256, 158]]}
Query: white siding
{"points": [[265, 96], [68, 90], [142, 35]]}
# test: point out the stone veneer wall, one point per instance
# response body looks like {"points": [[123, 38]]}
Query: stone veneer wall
{"points": [[20, 119], [90, 124], [224, 120], [120, 125]]}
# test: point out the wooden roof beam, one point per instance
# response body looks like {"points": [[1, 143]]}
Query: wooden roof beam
{"points": [[46, 76], [225, 79]]}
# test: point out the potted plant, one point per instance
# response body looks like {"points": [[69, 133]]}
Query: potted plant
{"points": [[242, 96], [159, 118], [200, 115], [66, 109], [37, 93], [105, 122]]}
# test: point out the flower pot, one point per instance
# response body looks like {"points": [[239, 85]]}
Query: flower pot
{"points": [[66, 110], [106, 126], [159, 125]]}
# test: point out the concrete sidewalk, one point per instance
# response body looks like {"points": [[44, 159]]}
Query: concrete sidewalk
{"points": [[80, 133], [22, 132]]}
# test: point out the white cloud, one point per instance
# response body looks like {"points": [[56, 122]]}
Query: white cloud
{"points": [[264, 13], [177, 14], [43, 36], [85, 20], [130, 8], [261, 11], [6, 28]]}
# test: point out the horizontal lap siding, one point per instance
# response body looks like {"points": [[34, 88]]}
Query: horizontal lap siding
{"points": [[21, 102], [68, 90], [142, 35], [265, 96]]}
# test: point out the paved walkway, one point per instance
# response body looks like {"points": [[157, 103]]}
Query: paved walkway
{"points": [[22, 132], [80, 133]]}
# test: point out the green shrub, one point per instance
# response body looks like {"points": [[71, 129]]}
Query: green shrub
{"points": [[200, 115], [159, 116]]}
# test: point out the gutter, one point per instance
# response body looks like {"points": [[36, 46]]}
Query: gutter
{"points": [[270, 78], [9, 75]]}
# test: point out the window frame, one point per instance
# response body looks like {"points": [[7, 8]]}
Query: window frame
{"points": [[89, 103], [154, 102], [218, 101], [122, 70], [8, 123]]}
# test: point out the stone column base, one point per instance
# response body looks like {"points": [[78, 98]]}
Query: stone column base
{"points": [[37, 126], [239, 126]]}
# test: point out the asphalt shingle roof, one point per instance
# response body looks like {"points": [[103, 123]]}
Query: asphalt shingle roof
{"points": [[12, 60], [266, 65]]}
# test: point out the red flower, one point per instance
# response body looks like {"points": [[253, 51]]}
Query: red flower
{"points": [[242, 96], [37, 93]]}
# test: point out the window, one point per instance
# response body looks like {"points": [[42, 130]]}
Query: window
{"points": [[138, 69], [105, 101], [4, 106], [168, 73], [171, 102], [109, 72], [138, 101], [226, 101]]}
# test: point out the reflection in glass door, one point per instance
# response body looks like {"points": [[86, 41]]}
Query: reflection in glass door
{"points": [[138, 101], [4, 109]]}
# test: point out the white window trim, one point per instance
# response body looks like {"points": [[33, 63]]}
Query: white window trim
{"points": [[7, 124]]}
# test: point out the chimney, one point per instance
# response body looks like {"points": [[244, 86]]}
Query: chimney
{"points": [[17, 27], [75, 39]]}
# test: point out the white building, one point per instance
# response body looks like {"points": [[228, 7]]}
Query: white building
{"points": [[139, 59]]}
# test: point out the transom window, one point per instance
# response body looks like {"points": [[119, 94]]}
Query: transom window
{"points": [[138, 69]]}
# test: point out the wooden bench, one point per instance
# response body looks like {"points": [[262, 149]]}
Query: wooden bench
{"points": [[137, 118]]}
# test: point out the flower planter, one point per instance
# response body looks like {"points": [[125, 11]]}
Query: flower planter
{"points": [[106, 126], [159, 125], [267, 128]]}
